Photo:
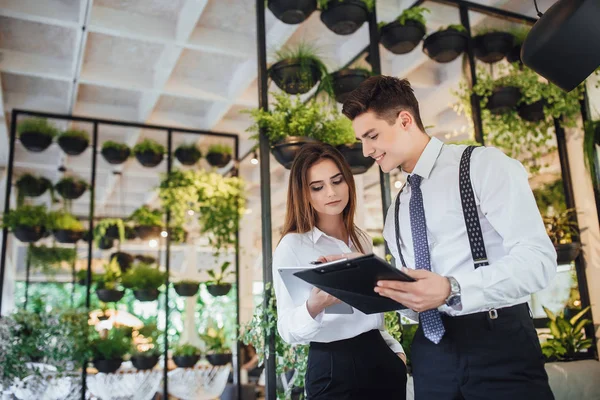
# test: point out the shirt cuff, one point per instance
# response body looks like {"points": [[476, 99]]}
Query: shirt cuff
{"points": [[471, 291], [307, 326]]}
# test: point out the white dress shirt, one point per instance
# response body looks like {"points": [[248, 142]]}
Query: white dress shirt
{"points": [[294, 323], [522, 259]]}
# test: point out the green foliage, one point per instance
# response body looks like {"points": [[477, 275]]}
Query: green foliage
{"points": [[61, 220], [75, 134], [101, 227], [38, 125], [28, 183], [561, 226], [149, 145], [408, 334], [324, 4], [519, 33], [188, 282], [218, 277], [114, 145], [215, 339], [378, 240], [26, 215], [392, 325], [49, 259], [550, 195], [591, 137], [456, 27], [220, 149], [114, 345], [307, 55], [111, 277], [191, 148], [416, 14], [145, 216], [336, 131], [186, 350], [482, 30], [567, 335], [148, 335], [177, 234], [143, 276]]}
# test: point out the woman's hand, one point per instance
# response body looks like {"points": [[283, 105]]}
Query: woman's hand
{"points": [[318, 301], [335, 257]]}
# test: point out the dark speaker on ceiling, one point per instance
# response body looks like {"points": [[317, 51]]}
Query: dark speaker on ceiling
{"points": [[564, 44]]}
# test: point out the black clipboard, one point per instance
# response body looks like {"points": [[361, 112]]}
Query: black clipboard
{"points": [[353, 282]]}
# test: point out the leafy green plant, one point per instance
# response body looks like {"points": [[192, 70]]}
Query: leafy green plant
{"points": [[148, 336], [188, 282], [29, 183], [550, 197], [456, 27], [177, 234], [149, 145], [81, 276], [192, 148], [336, 131], [114, 145], [62, 220], [114, 345], [392, 325], [101, 227], [186, 350], [590, 138], [561, 227], [110, 279], [567, 335], [416, 14], [215, 339], [482, 30], [26, 215], [218, 277], [324, 4], [38, 125], [220, 149], [75, 134], [143, 276], [49, 259], [146, 216], [378, 240], [307, 55]]}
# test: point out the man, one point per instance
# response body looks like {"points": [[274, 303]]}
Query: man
{"points": [[477, 250]]}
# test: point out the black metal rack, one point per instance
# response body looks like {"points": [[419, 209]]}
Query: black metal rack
{"points": [[96, 122]]}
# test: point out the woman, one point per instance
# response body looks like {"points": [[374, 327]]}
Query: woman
{"points": [[350, 355]]}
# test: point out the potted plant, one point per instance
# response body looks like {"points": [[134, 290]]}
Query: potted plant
{"points": [[148, 223], [188, 154], [219, 155], [292, 11], [109, 348], [144, 280], [491, 45], [74, 141], [70, 188], [32, 186], [186, 288], [216, 286], [149, 152], [344, 17], [145, 259], [81, 277], [404, 34], [218, 352], [561, 229], [107, 230], [446, 44], [123, 259], [177, 234], [50, 259], [36, 134], [145, 356], [344, 81], [568, 339], [591, 139], [65, 227], [519, 34], [108, 285], [186, 356], [297, 69], [115, 153], [288, 125], [28, 223]]}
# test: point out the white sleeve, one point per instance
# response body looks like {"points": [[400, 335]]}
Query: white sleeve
{"points": [[294, 324], [391, 342]]}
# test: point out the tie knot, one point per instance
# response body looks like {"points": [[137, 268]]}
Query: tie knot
{"points": [[415, 181]]}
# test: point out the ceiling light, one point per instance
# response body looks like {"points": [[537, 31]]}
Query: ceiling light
{"points": [[254, 158], [397, 184], [164, 234], [153, 243], [190, 212]]}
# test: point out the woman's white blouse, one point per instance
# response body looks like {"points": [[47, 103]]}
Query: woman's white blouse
{"points": [[295, 325]]}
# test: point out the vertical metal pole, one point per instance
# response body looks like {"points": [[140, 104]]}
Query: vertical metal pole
{"points": [[586, 117], [9, 173], [167, 270], [73, 277], [265, 197], [237, 361], [88, 280], [475, 105], [561, 142], [27, 274]]}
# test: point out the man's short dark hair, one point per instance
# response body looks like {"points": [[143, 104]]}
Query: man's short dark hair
{"points": [[386, 96]]}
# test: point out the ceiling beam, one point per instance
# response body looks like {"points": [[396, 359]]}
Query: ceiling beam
{"points": [[50, 12], [85, 10]]}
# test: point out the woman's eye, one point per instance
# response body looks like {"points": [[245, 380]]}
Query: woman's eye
{"points": [[337, 182], [316, 188], [374, 137]]}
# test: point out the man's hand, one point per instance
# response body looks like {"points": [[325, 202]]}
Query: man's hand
{"points": [[336, 257], [428, 292], [318, 301], [402, 357]]}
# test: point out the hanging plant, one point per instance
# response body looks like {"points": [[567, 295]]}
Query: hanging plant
{"points": [[32, 186], [519, 34], [28, 223], [74, 141], [65, 227], [125, 260], [49, 260], [219, 155], [115, 153], [109, 349], [144, 280], [145, 355], [342, 82], [36, 134], [491, 45], [344, 17], [591, 139], [297, 69], [186, 356], [292, 11], [188, 154], [186, 288], [218, 350], [217, 285], [402, 35], [109, 229], [561, 229], [71, 188], [148, 223], [108, 286], [149, 152], [446, 44]]}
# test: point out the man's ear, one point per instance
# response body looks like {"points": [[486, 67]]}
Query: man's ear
{"points": [[405, 120]]}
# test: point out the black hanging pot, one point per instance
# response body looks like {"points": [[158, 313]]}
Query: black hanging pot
{"points": [[514, 55], [187, 156], [70, 190], [146, 232], [73, 146], [567, 252], [219, 359], [112, 232], [105, 243], [402, 39], [344, 17], [143, 362], [109, 295], [149, 159], [218, 160], [186, 289], [292, 11], [353, 153], [493, 47], [285, 150], [345, 81], [108, 366], [185, 361], [116, 156], [29, 234], [533, 112], [219, 290], [445, 46], [123, 259], [146, 259], [146, 294], [35, 141], [130, 233], [503, 99], [67, 236], [31, 186], [295, 76]]}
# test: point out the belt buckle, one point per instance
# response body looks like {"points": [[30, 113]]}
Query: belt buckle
{"points": [[493, 313]]}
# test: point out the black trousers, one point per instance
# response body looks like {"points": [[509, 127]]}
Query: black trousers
{"points": [[360, 368], [481, 358]]}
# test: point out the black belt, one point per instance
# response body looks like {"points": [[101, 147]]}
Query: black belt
{"points": [[516, 311], [348, 343]]}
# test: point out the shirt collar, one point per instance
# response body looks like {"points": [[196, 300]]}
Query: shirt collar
{"points": [[427, 159], [316, 234]]}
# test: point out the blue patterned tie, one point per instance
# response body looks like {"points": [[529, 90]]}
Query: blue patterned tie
{"points": [[431, 321]]}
